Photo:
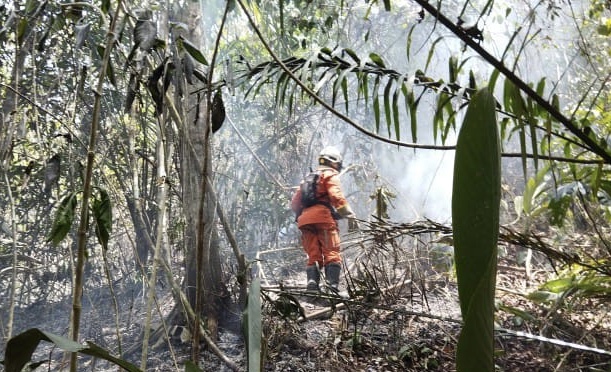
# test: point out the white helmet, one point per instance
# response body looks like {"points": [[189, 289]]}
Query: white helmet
{"points": [[330, 156]]}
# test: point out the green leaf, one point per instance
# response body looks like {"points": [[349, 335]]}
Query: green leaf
{"points": [[439, 123], [345, 92], [353, 55], [20, 348], [191, 367], [543, 297], [453, 68], [252, 323], [395, 110], [541, 87], [559, 285], [387, 107], [281, 86], [493, 78], [604, 29], [534, 141], [63, 219], [193, 51], [31, 5], [476, 199], [408, 44], [472, 82], [365, 87], [432, 52], [410, 106], [518, 312], [450, 120], [376, 103], [102, 215], [22, 27], [377, 60], [341, 83], [105, 6], [376, 113]]}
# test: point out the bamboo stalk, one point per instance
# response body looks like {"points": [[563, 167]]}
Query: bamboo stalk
{"points": [[11, 315], [162, 201], [82, 230]]}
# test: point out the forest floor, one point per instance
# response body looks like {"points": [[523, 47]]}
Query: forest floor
{"points": [[400, 320], [417, 330]]}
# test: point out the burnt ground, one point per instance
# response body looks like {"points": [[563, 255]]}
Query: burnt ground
{"points": [[404, 317], [407, 317], [416, 328]]}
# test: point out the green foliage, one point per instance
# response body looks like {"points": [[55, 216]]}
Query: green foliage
{"points": [[66, 212], [193, 51], [475, 218], [578, 282], [102, 215], [531, 203], [377, 83], [63, 218], [20, 348]]}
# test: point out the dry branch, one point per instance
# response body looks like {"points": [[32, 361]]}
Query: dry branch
{"points": [[382, 231]]}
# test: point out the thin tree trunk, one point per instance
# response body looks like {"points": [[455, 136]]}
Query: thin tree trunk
{"points": [[11, 313], [10, 100], [82, 230], [161, 233]]}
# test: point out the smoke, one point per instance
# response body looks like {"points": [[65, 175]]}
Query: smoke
{"points": [[424, 185]]}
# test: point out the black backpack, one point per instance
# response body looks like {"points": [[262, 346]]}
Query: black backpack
{"points": [[308, 189], [308, 193]]}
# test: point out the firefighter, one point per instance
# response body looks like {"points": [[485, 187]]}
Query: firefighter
{"points": [[318, 223]]}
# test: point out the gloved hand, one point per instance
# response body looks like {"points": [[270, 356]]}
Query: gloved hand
{"points": [[353, 225], [346, 212]]}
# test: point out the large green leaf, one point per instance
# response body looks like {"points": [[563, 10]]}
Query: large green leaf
{"points": [[252, 324], [20, 348], [102, 214], [63, 219], [475, 219], [193, 51]]}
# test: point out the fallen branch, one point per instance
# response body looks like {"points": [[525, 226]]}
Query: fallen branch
{"points": [[344, 303]]}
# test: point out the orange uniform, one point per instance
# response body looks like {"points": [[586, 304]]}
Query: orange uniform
{"points": [[319, 230]]}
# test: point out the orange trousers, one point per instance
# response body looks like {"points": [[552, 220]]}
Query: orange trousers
{"points": [[321, 243]]}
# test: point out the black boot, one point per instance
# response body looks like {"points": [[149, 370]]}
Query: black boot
{"points": [[332, 272], [313, 277]]}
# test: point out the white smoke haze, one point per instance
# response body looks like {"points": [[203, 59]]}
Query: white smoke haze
{"points": [[424, 186]]}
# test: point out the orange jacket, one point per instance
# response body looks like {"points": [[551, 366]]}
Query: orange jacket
{"points": [[329, 190]]}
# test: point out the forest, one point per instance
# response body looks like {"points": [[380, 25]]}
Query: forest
{"points": [[149, 151]]}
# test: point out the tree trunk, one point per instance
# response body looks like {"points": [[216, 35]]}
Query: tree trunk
{"points": [[192, 177], [143, 240], [196, 165]]}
